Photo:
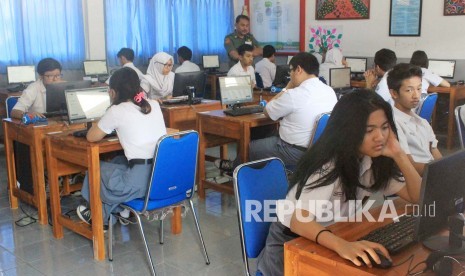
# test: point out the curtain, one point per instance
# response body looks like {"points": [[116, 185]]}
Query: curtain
{"points": [[151, 26], [35, 29]]}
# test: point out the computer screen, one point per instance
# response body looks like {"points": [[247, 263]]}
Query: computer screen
{"points": [[443, 68], [356, 64], [21, 74], [235, 90], [211, 61], [181, 80], [95, 67], [55, 94], [339, 77], [87, 105], [282, 75]]}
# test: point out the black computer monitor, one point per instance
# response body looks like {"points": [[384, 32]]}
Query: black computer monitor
{"points": [[182, 80], [442, 192], [55, 94], [339, 78], [235, 90], [357, 64], [211, 62], [21, 74], [282, 75], [87, 104], [95, 67], [443, 68]]}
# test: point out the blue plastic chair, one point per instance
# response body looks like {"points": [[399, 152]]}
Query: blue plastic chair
{"points": [[10, 103], [319, 126], [257, 181], [259, 80], [427, 106], [460, 125], [171, 184]]}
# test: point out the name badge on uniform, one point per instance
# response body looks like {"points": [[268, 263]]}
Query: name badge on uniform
{"points": [[248, 42]]}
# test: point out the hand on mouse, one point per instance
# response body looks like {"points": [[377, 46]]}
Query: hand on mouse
{"points": [[352, 250]]}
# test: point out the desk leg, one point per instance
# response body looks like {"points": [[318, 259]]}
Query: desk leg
{"points": [[55, 207], [39, 179], [10, 164], [176, 221], [95, 202], [213, 87], [244, 143], [201, 161], [450, 123]]}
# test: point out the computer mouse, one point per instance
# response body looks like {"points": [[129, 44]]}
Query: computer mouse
{"points": [[385, 262]]}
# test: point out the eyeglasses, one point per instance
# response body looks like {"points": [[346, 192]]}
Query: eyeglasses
{"points": [[53, 77]]}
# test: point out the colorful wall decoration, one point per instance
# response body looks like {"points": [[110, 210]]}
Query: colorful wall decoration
{"points": [[342, 9], [454, 7]]}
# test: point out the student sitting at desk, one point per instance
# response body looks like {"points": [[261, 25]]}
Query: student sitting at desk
{"points": [[244, 66], [267, 67], [385, 59], [184, 58], [159, 76], [32, 100], [126, 58], [357, 155], [334, 59], [139, 124], [419, 58], [415, 134]]}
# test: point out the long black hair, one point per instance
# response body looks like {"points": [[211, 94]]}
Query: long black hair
{"points": [[340, 143], [126, 84]]}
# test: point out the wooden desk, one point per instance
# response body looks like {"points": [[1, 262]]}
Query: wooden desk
{"points": [[34, 137], [212, 80], [215, 128], [65, 151], [183, 117], [4, 94], [358, 84]]}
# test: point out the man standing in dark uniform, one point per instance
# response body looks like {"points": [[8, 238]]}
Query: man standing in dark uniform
{"points": [[240, 36]]}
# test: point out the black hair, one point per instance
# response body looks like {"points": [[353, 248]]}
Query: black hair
{"points": [[307, 62], [268, 51], [419, 58], [47, 64], [241, 16], [244, 48], [185, 53], [339, 146], [128, 53], [385, 59], [401, 72], [126, 84]]}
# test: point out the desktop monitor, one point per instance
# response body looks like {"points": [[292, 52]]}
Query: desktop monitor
{"points": [[55, 94], [339, 77], [282, 75], [181, 80], [235, 90], [21, 74], [87, 104], [211, 62], [443, 68], [95, 67], [357, 64]]}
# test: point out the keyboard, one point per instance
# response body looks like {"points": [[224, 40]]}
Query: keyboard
{"points": [[55, 114], [244, 110], [17, 88], [181, 101], [83, 133], [396, 235]]}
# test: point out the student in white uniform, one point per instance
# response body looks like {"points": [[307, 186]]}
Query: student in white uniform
{"points": [[160, 77], [266, 67], [357, 155], [139, 124], [419, 58], [385, 59], [32, 100], [184, 58], [126, 59], [244, 66], [334, 59], [415, 134]]}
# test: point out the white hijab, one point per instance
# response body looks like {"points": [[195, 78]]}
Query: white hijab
{"points": [[334, 56], [160, 85]]}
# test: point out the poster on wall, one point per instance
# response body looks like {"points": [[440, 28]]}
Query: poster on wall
{"points": [[276, 23], [324, 38], [405, 18], [342, 9], [454, 7]]}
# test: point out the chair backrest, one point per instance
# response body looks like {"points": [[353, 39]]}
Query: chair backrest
{"points": [[174, 168], [427, 106], [10, 103], [257, 185], [319, 126], [259, 80], [460, 125]]}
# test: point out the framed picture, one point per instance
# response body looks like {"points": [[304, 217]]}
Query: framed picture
{"points": [[454, 7], [342, 9], [405, 18]]}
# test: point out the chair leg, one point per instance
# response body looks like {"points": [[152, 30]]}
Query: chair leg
{"points": [[110, 238], [147, 251], [162, 236], [207, 260]]}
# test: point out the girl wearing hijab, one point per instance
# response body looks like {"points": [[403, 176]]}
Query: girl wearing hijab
{"points": [[159, 76], [333, 59]]}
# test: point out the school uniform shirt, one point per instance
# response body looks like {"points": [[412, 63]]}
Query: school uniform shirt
{"points": [[237, 70], [298, 108], [267, 71], [161, 86], [429, 78], [33, 98], [382, 89], [187, 66], [415, 135], [143, 83], [138, 133]]}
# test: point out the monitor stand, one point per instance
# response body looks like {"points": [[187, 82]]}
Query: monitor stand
{"points": [[453, 243]]}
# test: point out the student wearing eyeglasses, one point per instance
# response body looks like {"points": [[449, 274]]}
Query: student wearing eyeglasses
{"points": [[32, 100], [160, 77]]}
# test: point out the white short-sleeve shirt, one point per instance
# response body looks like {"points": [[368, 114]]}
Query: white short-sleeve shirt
{"points": [[143, 83], [187, 66], [299, 107], [267, 71], [33, 98], [382, 89], [238, 70], [429, 78], [138, 133]]}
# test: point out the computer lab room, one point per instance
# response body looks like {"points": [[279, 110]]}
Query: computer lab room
{"points": [[232, 137]]}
